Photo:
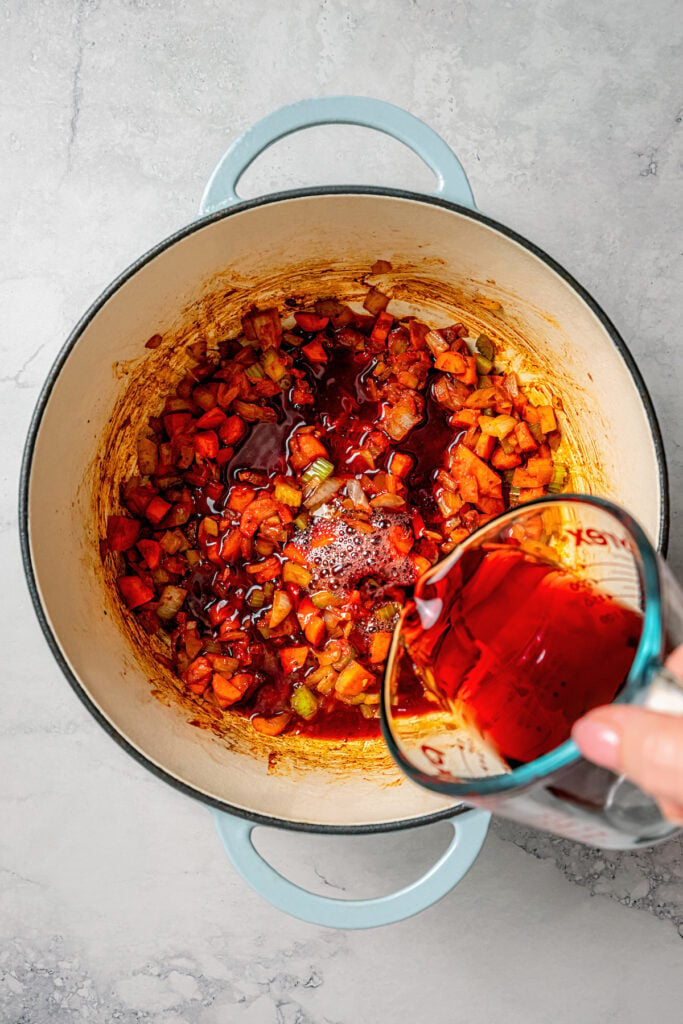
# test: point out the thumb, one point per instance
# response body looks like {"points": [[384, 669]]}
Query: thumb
{"points": [[646, 746]]}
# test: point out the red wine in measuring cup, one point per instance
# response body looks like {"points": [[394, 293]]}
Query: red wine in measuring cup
{"points": [[520, 649]]}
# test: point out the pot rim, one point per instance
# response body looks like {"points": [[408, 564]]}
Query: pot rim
{"points": [[86, 319]]}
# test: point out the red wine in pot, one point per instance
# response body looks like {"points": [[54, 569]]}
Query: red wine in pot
{"points": [[520, 649]]}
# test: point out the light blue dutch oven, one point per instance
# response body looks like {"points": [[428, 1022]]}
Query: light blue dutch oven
{"points": [[446, 257]]}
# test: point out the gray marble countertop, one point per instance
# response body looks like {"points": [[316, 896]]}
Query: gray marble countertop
{"points": [[117, 903]]}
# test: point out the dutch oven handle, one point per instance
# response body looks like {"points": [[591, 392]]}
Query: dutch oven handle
{"points": [[235, 833], [452, 183], [469, 832]]}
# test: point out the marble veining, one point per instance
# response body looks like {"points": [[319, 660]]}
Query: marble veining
{"points": [[116, 903]]}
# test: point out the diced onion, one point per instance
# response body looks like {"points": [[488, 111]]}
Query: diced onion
{"points": [[357, 494], [317, 494]]}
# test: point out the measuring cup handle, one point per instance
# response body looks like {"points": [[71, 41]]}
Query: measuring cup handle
{"points": [[469, 832], [362, 111]]}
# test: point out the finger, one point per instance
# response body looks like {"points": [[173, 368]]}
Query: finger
{"points": [[671, 810], [644, 745]]}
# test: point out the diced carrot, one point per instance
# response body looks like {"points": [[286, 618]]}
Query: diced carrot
{"points": [[541, 470], [382, 327], [314, 631], [271, 726], [379, 647], [294, 554], [471, 437], [546, 418], [525, 438], [301, 395], [451, 362], [482, 398], [213, 418], [221, 611], [469, 489], [464, 418], [229, 691], [501, 460], [306, 611], [400, 464], [353, 679], [484, 446], [465, 463], [231, 545], [469, 375], [256, 511], [122, 532], [198, 675], [268, 569], [227, 393], [420, 563], [232, 430], [315, 352], [134, 591], [497, 426], [529, 493], [241, 496], [157, 509], [537, 473], [490, 506], [224, 456], [310, 322], [324, 535], [177, 422], [304, 448], [293, 658], [151, 552], [401, 539], [418, 333], [206, 444]]}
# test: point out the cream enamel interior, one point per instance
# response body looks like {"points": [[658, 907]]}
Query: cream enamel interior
{"points": [[446, 266]]}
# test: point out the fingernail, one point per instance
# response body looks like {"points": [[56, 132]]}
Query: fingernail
{"points": [[598, 741]]}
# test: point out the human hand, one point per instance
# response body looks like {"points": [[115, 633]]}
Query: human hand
{"points": [[646, 746]]}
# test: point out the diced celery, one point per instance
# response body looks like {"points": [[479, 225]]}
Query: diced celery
{"points": [[324, 599], [285, 493], [301, 522], [318, 470], [304, 702], [256, 598], [507, 445], [387, 612], [484, 365], [514, 494], [536, 432], [273, 365], [559, 479], [486, 347], [293, 573], [255, 372]]}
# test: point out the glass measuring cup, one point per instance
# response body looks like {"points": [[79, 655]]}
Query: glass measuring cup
{"points": [[567, 585]]}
